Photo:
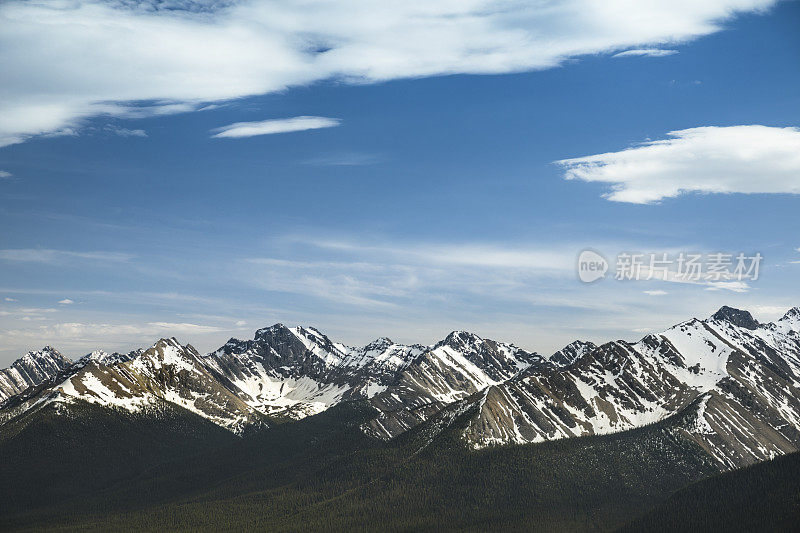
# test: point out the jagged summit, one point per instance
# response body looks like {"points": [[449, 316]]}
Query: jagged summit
{"points": [[460, 338], [31, 369], [166, 341], [737, 317], [277, 327], [572, 352], [104, 358], [793, 313], [381, 343], [789, 323], [48, 352]]}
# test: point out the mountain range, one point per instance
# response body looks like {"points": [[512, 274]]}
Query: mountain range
{"points": [[725, 388]]}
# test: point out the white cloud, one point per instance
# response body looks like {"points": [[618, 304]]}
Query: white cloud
{"points": [[99, 57], [735, 159], [268, 127], [66, 301], [10, 299], [36, 255], [407, 275], [63, 331], [346, 283], [28, 313], [124, 132], [381, 277], [646, 52], [183, 327], [655, 293], [559, 259], [4, 174], [769, 312], [731, 281], [734, 286]]}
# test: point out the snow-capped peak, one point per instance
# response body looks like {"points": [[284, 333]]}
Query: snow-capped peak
{"points": [[167, 353], [572, 352], [31, 369], [790, 321], [164, 342], [381, 343], [459, 339], [97, 355], [105, 358], [45, 354], [792, 315]]}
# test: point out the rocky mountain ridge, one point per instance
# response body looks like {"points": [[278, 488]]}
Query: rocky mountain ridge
{"points": [[736, 381]]}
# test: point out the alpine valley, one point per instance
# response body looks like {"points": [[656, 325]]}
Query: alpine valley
{"points": [[292, 430]]}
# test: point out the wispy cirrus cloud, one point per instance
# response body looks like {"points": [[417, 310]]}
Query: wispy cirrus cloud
{"points": [[733, 286], [646, 52], [269, 127], [181, 59], [98, 332], [769, 312], [374, 275], [729, 281], [124, 132], [27, 313], [379, 276], [540, 258], [49, 256], [713, 160], [357, 286]]}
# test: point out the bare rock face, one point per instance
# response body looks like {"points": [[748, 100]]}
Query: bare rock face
{"points": [[737, 317]]}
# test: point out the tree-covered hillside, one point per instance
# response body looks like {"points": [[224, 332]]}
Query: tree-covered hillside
{"points": [[321, 473]]}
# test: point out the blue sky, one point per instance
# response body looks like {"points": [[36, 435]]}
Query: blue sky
{"points": [[431, 200]]}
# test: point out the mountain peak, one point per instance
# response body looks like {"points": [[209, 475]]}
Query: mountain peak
{"points": [[97, 355], [381, 343], [737, 317], [163, 342], [46, 353], [105, 358], [279, 326], [572, 352], [31, 369], [459, 338], [166, 352], [792, 313]]}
